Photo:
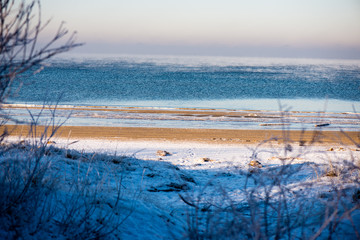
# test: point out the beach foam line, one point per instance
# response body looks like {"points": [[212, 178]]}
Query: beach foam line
{"points": [[146, 109], [227, 136]]}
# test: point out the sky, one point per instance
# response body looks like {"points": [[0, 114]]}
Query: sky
{"points": [[255, 28]]}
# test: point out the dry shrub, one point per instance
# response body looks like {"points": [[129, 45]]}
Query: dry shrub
{"points": [[53, 192], [287, 200]]}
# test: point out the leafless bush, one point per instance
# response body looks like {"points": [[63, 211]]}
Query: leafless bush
{"points": [[41, 197], [20, 48], [47, 193]]}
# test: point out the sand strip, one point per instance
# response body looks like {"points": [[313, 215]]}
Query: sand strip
{"points": [[197, 135], [186, 111]]}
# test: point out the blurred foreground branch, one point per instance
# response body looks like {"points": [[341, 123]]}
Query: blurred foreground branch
{"points": [[20, 47]]}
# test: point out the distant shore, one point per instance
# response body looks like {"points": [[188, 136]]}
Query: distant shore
{"points": [[216, 136]]}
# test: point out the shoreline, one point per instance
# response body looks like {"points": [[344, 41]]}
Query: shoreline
{"points": [[167, 110], [209, 136], [199, 118]]}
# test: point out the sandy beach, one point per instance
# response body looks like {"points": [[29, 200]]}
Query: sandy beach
{"points": [[217, 136], [204, 164], [201, 166]]}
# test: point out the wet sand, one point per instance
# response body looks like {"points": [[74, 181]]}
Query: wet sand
{"points": [[192, 135]]}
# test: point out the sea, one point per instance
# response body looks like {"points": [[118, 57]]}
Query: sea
{"points": [[192, 92]]}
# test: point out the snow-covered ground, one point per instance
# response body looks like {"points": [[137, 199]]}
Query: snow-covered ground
{"points": [[208, 191]]}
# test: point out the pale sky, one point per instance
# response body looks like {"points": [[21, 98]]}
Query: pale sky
{"points": [[276, 28]]}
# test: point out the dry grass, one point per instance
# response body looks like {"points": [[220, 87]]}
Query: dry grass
{"points": [[275, 201], [52, 192]]}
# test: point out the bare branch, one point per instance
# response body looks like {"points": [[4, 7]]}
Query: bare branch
{"points": [[20, 51]]}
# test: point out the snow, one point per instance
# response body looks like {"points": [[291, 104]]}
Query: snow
{"points": [[198, 189]]}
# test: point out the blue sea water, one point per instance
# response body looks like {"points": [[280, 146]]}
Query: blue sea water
{"points": [[189, 81], [197, 82]]}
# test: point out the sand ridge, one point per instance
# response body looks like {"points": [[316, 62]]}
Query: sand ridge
{"points": [[227, 136]]}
